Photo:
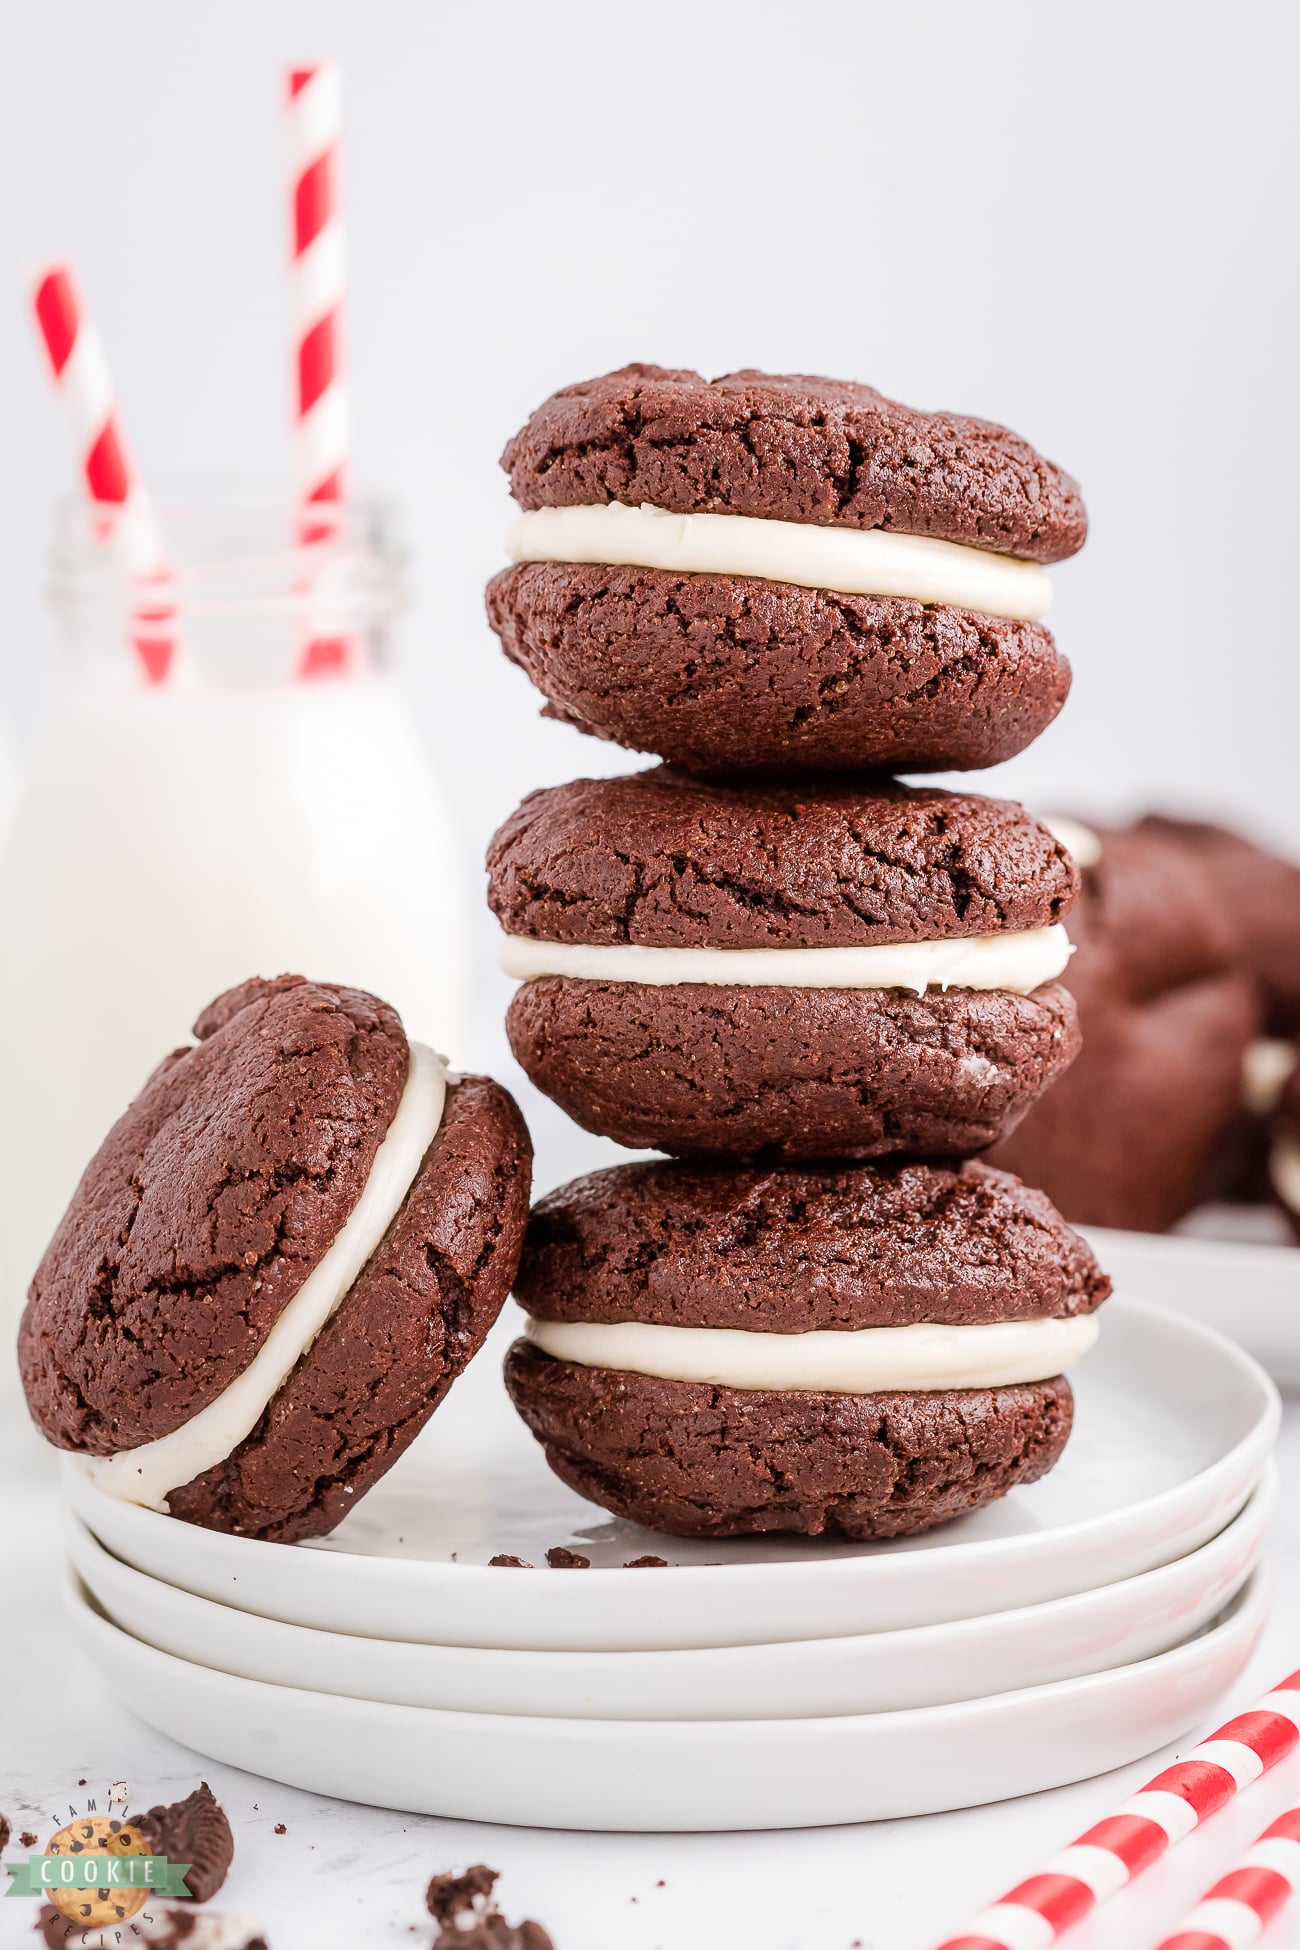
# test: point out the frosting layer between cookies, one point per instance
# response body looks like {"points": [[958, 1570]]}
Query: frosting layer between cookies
{"points": [[925, 1357], [149, 1473], [1018, 963], [852, 561]]}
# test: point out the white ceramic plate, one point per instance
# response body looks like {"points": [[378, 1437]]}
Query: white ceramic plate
{"points": [[1247, 1285], [696, 1775], [877, 1672], [1172, 1429]]}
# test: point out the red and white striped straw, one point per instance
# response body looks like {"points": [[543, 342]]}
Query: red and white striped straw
{"points": [[322, 418], [81, 375], [1236, 1911], [1038, 1911]]}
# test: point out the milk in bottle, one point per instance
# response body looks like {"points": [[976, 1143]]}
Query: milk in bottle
{"points": [[238, 819]]}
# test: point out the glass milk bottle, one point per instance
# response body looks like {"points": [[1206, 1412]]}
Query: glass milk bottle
{"points": [[239, 818]]}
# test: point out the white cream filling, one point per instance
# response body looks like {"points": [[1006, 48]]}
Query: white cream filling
{"points": [[924, 1358], [147, 1475], [1265, 1068], [852, 561], [1079, 841], [1284, 1170], [1017, 962]]}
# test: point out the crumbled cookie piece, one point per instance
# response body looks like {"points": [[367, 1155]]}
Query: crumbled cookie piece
{"points": [[503, 1561], [196, 1831], [468, 1917], [646, 1564], [27, 1839], [161, 1926], [560, 1558]]}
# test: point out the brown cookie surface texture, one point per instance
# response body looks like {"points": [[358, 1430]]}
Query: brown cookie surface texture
{"points": [[723, 672], [660, 859], [793, 447], [699, 1460]]}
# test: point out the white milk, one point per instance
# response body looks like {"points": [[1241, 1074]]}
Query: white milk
{"points": [[170, 842]]}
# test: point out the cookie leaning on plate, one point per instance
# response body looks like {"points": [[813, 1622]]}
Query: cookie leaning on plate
{"points": [[844, 969], [780, 570], [277, 1263], [871, 1350]]}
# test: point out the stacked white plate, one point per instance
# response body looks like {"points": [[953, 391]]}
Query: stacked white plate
{"points": [[1074, 1626]]}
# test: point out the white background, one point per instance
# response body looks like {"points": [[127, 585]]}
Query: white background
{"points": [[1079, 220]]}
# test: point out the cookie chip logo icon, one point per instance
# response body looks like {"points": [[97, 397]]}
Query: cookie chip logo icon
{"points": [[98, 1835]]}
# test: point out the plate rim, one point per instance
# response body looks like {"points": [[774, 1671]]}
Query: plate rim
{"points": [[1261, 1500], [1259, 1438], [1247, 1608]]}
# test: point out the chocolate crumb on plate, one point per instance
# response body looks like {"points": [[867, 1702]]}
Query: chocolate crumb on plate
{"points": [[27, 1839], [280, 1828], [503, 1561], [562, 1559], [646, 1564], [196, 1831]]}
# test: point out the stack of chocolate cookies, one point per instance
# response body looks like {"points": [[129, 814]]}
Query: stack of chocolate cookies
{"points": [[818, 989]]}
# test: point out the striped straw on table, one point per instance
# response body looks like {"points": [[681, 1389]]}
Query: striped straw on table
{"points": [[322, 421], [1236, 1911], [1039, 1910], [81, 375]]}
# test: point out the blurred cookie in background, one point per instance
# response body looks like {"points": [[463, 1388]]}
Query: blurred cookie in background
{"points": [[1139, 1130], [1258, 895]]}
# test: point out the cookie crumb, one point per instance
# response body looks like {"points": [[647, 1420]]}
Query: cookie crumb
{"points": [[27, 1839], [450, 1897], [160, 1927], [504, 1561], [82, 1781], [196, 1831], [280, 1828], [560, 1558], [468, 1918], [646, 1564]]}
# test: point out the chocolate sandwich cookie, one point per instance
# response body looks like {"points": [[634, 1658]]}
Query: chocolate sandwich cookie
{"points": [[1142, 1127], [276, 1264], [770, 570], [868, 1350], [847, 969]]}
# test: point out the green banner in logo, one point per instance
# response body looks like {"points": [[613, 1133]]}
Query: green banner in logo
{"points": [[39, 1874]]}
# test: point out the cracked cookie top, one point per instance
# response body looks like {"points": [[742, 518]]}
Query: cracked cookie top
{"points": [[793, 1250], [791, 447], [665, 860], [206, 1207]]}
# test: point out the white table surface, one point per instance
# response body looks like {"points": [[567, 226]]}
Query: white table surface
{"points": [[343, 1877]]}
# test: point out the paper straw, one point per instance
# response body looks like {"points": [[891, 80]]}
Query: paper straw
{"points": [[1236, 1911], [81, 375], [1038, 1911], [322, 420]]}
